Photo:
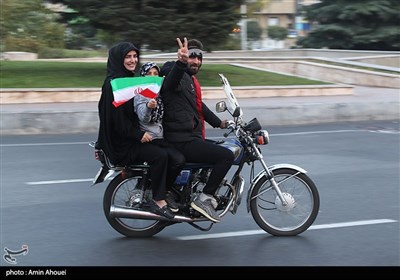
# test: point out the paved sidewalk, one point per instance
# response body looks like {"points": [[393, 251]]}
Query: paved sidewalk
{"points": [[365, 104]]}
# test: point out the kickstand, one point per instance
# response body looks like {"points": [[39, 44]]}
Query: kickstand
{"points": [[201, 228]]}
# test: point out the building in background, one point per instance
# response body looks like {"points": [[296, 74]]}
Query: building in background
{"points": [[283, 13]]}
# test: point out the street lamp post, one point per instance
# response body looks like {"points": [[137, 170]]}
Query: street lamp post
{"points": [[243, 29]]}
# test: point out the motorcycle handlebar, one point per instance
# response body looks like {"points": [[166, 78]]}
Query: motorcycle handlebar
{"points": [[230, 124], [226, 134]]}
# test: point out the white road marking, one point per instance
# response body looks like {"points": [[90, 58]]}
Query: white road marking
{"points": [[316, 132], [59, 182], [386, 131], [218, 137], [44, 144], [227, 234], [238, 233], [63, 181], [254, 232]]}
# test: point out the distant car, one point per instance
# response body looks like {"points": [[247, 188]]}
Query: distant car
{"points": [[292, 34]]}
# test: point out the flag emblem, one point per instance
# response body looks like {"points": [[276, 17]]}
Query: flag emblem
{"points": [[125, 89]]}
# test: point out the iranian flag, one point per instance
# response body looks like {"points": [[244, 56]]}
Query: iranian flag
{"points": [[125, 89]]}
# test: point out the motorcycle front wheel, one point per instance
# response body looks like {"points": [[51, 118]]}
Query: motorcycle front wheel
{"points": [[124, 191], [302, 199]]}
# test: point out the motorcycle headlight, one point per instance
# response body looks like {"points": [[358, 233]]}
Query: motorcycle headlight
{"points": [[262, 137]]}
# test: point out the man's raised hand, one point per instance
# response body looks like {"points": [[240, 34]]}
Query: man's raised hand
{"points": [[183, 52]]}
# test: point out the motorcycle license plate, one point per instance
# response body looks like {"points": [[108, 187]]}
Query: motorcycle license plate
{"points": [[103, 174]]}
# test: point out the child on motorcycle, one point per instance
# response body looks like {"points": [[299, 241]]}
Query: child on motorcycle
{"points": [[120, 135], [150, 113]]}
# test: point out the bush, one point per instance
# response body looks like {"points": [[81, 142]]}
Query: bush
{"points": [[277, 32], [232, 43], [51, 53], [12, 43]]}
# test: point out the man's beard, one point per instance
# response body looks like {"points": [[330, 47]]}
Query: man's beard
{"points": [[193, 71]]}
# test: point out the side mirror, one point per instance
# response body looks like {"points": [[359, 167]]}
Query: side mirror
{"points": [[220, 107]]}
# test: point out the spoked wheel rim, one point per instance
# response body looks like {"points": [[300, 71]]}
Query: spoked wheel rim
{"points": [[127, 194], [290, 217]]}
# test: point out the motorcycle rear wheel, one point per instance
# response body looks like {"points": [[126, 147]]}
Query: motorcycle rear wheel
{"points": [[119, 193], [303, 203]]}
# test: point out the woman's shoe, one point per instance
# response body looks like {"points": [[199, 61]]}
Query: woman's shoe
{"points": [[170, 199], [162, 211]]}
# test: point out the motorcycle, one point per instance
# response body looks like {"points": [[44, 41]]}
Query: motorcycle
{"points": [[282, 198]]}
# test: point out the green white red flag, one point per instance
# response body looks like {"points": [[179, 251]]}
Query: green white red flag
{"points": [[125, 89]]}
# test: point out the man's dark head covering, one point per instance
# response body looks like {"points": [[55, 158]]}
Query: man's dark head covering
{"points": [[144, 69], [166, 68], [115, 62], [195, 48]]}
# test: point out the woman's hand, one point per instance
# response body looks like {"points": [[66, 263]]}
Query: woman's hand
{"points": [[183, 52], [146, 138]]}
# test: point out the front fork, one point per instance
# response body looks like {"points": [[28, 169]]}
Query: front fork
{"points": [[268, 173]]}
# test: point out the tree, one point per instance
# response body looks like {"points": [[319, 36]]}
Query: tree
{"points": [[277, 32], [157, 23], [356, 24], [254, 30], [28, 26]]}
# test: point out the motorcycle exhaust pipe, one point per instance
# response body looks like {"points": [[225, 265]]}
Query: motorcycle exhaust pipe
{"points": [[124, 212]]}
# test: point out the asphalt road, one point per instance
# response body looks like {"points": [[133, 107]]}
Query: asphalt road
{"points": [[48, 206]]}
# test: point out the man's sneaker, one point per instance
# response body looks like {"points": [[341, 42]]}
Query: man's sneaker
{"points": [[170, 199], [214, 202], [203, 204]]}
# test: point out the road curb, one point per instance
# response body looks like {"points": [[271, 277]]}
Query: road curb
{"points": [[66, 118]]}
